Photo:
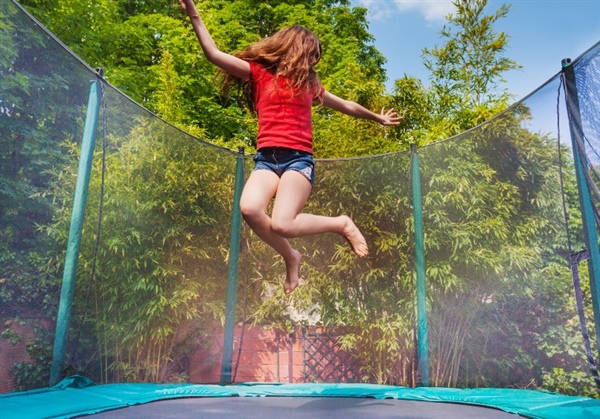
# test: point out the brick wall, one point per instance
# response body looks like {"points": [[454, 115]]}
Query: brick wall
{"points": [[10, 354], [265, 355]]}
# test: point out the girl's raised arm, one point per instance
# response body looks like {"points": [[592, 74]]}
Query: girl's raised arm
{"points": [[348, 107], [227, 62]]}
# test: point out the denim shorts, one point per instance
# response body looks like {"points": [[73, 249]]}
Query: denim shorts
{"points": [[280, 160]]}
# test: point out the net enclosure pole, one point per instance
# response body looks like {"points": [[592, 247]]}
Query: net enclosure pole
{"points": [[79, 201], [585, 200], [422, 332], [232, 273]]}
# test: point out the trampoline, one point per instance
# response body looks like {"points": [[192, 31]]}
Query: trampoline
{"points": [[77, 396], [475, 317]]}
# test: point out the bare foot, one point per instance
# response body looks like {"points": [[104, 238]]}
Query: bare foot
{"points": [[355, 238], [292, 276]]}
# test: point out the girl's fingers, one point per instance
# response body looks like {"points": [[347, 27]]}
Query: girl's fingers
{"points": [[391, 116]]}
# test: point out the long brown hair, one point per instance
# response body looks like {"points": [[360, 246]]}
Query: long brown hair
{"points": [[290, 53]]}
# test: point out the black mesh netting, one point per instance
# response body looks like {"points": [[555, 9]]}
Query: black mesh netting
{"points": [[150, 291]]}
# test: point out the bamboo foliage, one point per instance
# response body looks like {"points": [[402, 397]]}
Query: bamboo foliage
{"points": [[150, 291]]}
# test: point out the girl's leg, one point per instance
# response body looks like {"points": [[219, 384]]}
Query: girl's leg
{"points": [[287, 221], [260, 188]]}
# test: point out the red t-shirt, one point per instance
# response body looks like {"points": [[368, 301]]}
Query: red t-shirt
{"points": [[284, 120]]}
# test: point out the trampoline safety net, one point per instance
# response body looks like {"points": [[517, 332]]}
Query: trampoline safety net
{"points": [[149, 298]]}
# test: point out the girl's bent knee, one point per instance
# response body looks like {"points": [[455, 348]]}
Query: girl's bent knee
{"points": [[282, 228], [250, 212]]}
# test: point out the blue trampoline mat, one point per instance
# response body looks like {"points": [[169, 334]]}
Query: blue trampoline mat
{"points": [[78, 396]]}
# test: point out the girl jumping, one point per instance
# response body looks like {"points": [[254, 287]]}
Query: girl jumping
{"points": [[278, 74]]}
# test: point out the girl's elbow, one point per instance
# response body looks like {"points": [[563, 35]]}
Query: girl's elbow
{"points": [[212, 55]]}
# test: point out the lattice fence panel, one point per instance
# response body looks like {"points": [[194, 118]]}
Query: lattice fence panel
{"points": [[324, 361]]}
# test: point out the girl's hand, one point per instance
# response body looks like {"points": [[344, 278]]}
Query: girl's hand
{"points": [[390, 117], [188, 6]]}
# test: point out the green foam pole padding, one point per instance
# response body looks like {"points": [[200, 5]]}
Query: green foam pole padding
{"points": [[585, 200], [74, 241], [232, 274], [422, 330]]}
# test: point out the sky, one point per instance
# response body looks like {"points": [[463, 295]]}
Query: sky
{"points": [[541, 33]]}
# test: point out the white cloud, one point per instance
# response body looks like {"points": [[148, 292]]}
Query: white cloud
{"points": [[432, 10], [378, 10]]}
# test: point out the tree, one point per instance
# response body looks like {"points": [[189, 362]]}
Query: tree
{"points": [[42, 103], [492, 217], [490, 221], [416, 104], [467, 72], [129, 40]]}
